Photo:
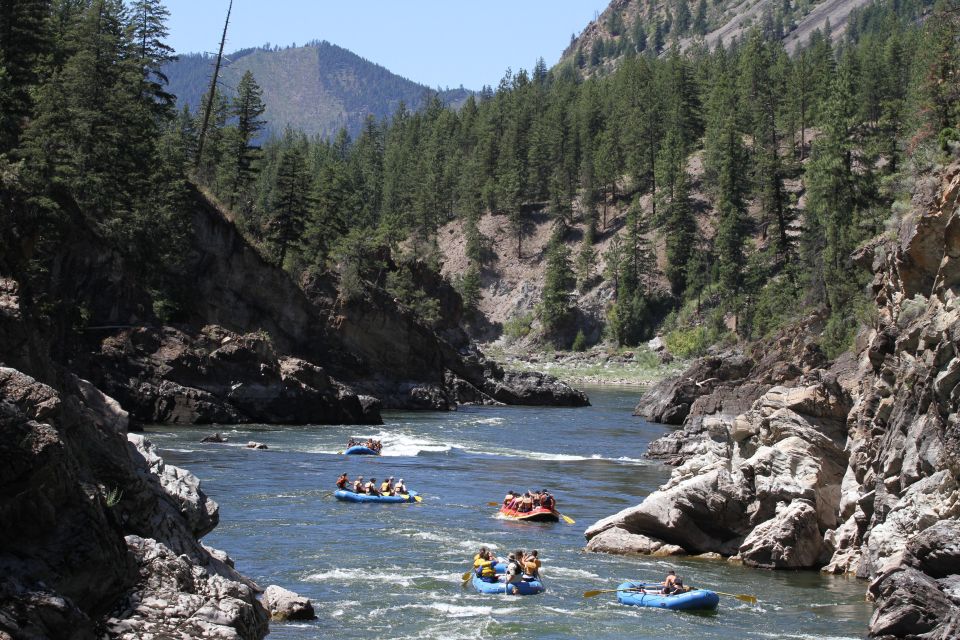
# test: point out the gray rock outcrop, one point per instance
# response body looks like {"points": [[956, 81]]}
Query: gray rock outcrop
{"points": [[98, 535], [851, 466], [169, 375]]}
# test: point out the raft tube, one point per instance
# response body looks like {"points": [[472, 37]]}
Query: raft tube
{"points": [[361, 451], [701, 599], [350, 496], [521, 588], [539, 514]]}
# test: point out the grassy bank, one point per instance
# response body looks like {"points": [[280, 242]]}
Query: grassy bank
{"points": [[639, 366]]}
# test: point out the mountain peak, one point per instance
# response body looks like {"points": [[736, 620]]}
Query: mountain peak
{"points": [[318, 88]]}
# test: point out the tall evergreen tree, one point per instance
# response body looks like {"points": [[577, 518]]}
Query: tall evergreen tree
{"points": [[291, 206], [679, 229]]}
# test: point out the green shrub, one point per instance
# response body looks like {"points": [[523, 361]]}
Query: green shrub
{"points": [[580, 342], [689, 342], [518, 326]]}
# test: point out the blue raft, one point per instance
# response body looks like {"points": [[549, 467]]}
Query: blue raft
{"points": [[522, 588], [350, 496], [361, 451], [691, 600]]}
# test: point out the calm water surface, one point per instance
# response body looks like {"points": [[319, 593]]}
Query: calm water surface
{"points": [[393, 571]]}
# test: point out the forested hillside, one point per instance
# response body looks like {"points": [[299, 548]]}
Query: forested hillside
{"points": [[318, 88], [655, 26], [756, 172]]}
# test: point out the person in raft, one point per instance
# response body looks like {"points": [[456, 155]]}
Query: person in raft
{"points": [[673, 584], [370, 488], [399, 488], [514, 569], [369, 443], [342, 482], [358, 485], [526, 502], [531, 566], [483, 564], [386, 487]]}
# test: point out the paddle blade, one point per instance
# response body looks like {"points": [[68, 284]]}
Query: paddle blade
{"points": [[746, 598], [568, 519], [418, 498], [493, 504], [466, 576], [595, 592], [339, 453]]}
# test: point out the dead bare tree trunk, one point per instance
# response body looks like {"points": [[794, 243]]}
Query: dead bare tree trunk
{"points": [[213, 88]]}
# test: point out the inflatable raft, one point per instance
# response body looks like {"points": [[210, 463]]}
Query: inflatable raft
{"points": [[360, 450], [518, 588], [350, 496], [537, 515], [690, 600]]}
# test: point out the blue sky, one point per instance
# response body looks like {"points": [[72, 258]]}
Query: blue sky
{"points": [[440, 43]]}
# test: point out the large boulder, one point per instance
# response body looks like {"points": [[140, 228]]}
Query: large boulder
{"points": [[619, 541], [790, 539], [283, 604], [669, 402], [918, 591], [766, 485]]}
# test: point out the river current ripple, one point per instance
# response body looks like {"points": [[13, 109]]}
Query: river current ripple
{"points": [[393, 571]]}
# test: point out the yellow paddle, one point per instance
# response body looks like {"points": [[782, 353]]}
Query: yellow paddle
{"points": [[744, 597]]}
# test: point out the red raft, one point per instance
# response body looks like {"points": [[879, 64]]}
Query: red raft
{"points": [[539, 514]]}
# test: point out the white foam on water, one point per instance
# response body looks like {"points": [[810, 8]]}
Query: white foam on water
{"points": [[178, 450], [569, 573], [566, 612], [490, 421], [449, 540], [451, 610], [363, 575], [404, 444], [553, 457]]}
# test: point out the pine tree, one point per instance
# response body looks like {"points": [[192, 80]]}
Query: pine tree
{"points": [[291, 206], [558, 280], [586, 263], [700, 18], [148, 21], [24, 39], [679, 230], [247, 107], [763, 87], [837, 199]]}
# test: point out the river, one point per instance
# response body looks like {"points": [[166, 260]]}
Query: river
{"points": [[394, 571]]}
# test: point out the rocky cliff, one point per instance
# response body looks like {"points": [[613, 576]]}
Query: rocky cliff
{"points": [[849, 466], [98, 536], [253, 345]]}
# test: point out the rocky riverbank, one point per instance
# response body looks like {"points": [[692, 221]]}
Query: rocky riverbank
{"points": [[643, 366], [98, 536], [786, 460]]}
